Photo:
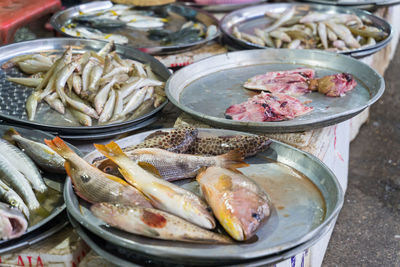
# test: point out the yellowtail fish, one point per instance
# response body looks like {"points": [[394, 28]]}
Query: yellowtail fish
{"points": [[239, 204], [93, 185], [163, 195], [155, 224]]}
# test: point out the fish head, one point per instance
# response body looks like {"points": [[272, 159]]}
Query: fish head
{"points": [[108, 166]]}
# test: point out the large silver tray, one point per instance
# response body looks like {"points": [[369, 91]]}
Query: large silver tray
{"points": [[207, 88], [292, 223], [13, 96], [55, 184], [221, 7], [357, 3], [137, 38], [247, 19], [127, 258]]}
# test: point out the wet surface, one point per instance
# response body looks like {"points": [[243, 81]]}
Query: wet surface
{"points": [[367, 232]]}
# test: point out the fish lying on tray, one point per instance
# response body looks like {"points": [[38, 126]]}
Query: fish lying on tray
{"points": [[175, 213], [93, 85], [315, 30]]}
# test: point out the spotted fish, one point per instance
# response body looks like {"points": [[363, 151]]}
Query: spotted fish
{"points": [[249, 145], [177, 140]]}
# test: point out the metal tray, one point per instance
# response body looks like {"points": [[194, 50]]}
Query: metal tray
{"points": [[247, 19], [50, 228], [13, 96], [293, 221], [54, 181], [221, 7], [139, 41], [205, 89], [357, 3], [127, 258]]}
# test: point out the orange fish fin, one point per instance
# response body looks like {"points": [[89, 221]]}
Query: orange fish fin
{"points": [[232, 159], [111, 150], [235, 170], [200, 173], [67, 167], [116, 179], [149, 167], [128, 177], [59, 146]]}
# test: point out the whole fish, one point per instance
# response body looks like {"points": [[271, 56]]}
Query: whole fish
{"points": [[41, 154], [81, 117], [31, 105], [135, 101], [154, 223], [173, 166], [108, 108], [343, 33], [23, 164], [62, 77], [249, 145], [18, 182], [323, 34], [8, 195], [55, 103], [93, 185], [12, 222], [287, 15], [163, 195], [239, 204], [30, 82], [177, 140]]}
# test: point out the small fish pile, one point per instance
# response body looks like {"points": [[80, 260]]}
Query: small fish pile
{"points": [[104, 24], [267, 107], [166, 210], [315, 30], [21, 180], [100, 86]]}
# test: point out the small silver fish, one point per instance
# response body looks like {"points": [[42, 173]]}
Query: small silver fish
{"points": [[11, 197]]}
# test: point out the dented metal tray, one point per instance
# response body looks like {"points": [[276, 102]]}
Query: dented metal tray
{"points": [[13, 96], [248, 18], [138, 38], [205, 89], [303, 207]]}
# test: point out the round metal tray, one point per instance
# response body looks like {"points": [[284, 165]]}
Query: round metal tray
{"points": [[221, 7], [13, 96], [205, 89], [54, 181], [291, 224], [247, 19], [61, 18], [121, 256], [367, 4]]}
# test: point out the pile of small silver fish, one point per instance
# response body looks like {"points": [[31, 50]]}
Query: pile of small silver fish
{"points": [[20, 180], [141, 203], [101, 25], [100, 86], [314, 30]]}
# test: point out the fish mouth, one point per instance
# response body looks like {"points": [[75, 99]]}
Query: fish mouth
{"points": [[16, 226]]}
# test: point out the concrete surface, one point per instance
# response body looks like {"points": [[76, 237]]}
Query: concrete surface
{"points": [[367, 232]]}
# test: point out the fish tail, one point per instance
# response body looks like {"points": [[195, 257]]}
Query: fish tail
{"points": [[59, 146], [9, 134], [232, 159], [111, 150]]}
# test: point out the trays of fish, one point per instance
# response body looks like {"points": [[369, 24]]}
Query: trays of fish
{"points": [[155, 30], [201, 196], [79, 87], [275, 90], [31, 187], [353, 32]]}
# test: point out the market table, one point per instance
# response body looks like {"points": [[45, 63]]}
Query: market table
{"points": [[330, 144]]}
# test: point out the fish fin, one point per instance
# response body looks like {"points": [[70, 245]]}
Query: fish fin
{"points": [[116, 179], [156, 134], [111, 150], [141, 151], [128, 176], [9, 134], [149, 167], [200, 173], [235, 170], [67, 167], [59, 146], [232, 159]]}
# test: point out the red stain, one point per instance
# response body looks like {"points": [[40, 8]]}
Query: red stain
{"points": [[153, 219], [340, 156]]}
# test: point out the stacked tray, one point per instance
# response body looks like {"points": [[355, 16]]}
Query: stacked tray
{"points": [[13, 96], [365, 4], [41, 227], [137, 37], [299, 218], [247, 19]]}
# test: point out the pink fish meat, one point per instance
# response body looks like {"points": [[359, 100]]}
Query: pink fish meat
{"points": [[334, 85], [267, 107], [291, 82]]}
